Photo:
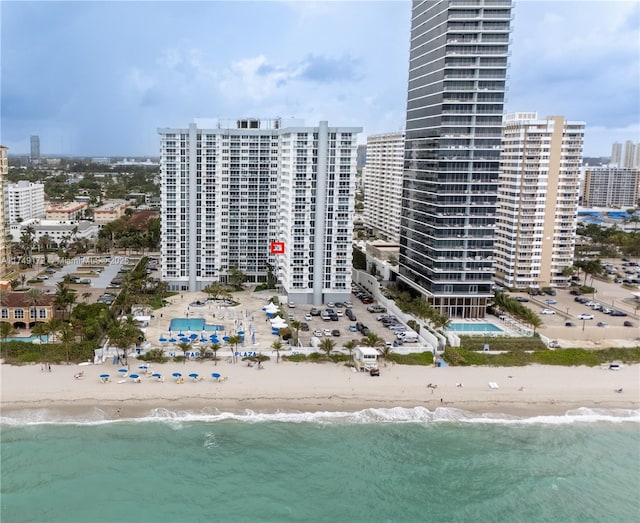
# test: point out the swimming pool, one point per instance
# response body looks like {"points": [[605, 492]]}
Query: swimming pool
{"points": [[193, 325], [473, 327]]}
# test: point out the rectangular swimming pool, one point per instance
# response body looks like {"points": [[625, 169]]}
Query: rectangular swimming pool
{"points": [[192, 324], [473, 327]]}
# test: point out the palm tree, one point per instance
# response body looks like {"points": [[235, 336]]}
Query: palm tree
{"points": [[327, 345], [277, 346], [86, 296], [185, 346], [64, 298], [296, 325], [350, 346], [6, 331], [40, 329], [67, 338], [234, 340], [215, 347], [52, 327], [372, 340]]}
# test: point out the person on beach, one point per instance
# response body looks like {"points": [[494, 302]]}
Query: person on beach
{"points": [[49, 366]]}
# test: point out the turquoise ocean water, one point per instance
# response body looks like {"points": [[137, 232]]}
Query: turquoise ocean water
{"points": [[375, 465]]}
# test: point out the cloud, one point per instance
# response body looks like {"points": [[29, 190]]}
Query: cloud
{"points": [[323, 69]]}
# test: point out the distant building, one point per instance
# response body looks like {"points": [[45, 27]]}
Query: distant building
{"points": [[610, 187], [626, 156], [101, 160], [537, 200], [58, 233], [382, 182], [110, 211], [34, 157], [65, 211], [5, 244], [24, 201]]}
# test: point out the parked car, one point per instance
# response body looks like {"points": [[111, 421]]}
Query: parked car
{"points": [[292, 304], [308, 317], [331, 305], [326, 332], [335, 332], [304, 326], [349, 314], [602, 324], [628, 324], [547, 311], [317, 332], [575, 292], [314, 312], [618, 313], [585, 317], [569, 324], [352, 328], [551, 301], [339, 305], [522, 299]]}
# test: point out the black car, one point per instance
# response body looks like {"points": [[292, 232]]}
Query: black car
{"points": [[522, 299], [618, 313], [349, 314], [314, 312], [335, 332], [365, 331], [575, 292], [569, 324], [334, 317], [304, 326], [628, 324]]}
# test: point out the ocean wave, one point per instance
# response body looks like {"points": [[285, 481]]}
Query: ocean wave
{"points": [[177, 419]]}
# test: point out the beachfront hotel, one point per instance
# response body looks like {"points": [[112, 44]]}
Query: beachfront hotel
{"points": [[457, 72], [537, 200], [382, 182], [255, 194], [24, 201]]}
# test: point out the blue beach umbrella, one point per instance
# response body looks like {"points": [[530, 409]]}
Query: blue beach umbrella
{"points": [[177, 375], [172, 340], [193, 336], [193, 375], [104, 376], [144, 367], [225, 338], [216, 376], [134, 376], [156, 375], [123, 371], [162, 339]]}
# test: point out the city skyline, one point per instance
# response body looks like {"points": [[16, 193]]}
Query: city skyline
{"points": [[345, 62]]}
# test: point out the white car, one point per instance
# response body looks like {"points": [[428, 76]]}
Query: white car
{"points": [[331, 305], [326, 332], [547, 311], [339, 313], [292, 304], [308, 317], [585, 317], [317, 332]]}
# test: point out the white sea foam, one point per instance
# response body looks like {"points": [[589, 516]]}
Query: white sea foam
{"points": [[176, 419]]}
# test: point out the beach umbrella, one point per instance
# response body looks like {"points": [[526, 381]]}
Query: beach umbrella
{"points": [[156, 375], [203, 340], [162, 339], [123, 371], [177, 375], [134, 376], [104, 376], [144, 367], [216, 376], [193, 375], [225, 338], [193, 336], [172, 340]]}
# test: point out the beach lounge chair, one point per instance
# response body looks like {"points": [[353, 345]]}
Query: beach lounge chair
{"points": [[493, 385]]}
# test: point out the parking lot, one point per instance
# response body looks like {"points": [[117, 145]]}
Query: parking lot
{"points": [[362, 315], [563, 316]]}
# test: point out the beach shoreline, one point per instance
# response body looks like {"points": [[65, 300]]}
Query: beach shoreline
{"points": [[311, 387]]}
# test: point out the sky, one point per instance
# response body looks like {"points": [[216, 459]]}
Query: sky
{"points": [[99, 78]]}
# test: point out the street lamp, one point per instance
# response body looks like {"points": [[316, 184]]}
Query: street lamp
{"points": [[584, 322]]}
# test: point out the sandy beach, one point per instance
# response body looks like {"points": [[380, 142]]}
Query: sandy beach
{"points": [[525, 391]]}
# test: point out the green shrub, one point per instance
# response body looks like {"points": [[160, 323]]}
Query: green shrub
{"points": [[154, 355], [413, 358]]}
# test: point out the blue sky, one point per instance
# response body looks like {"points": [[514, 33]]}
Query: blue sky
{"points": [[99, 78]]}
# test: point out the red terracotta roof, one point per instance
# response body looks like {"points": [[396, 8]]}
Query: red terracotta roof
{"points": [[20, 299]]}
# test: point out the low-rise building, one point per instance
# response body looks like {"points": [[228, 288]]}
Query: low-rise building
{"points": [[67, 211], [110, 211], [17, 309]]}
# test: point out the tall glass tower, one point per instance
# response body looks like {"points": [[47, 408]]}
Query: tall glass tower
{"points": [[457, 73]]}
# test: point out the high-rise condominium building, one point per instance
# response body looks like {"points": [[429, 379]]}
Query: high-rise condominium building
{"points": [[537, 200], [382, 180], [5, 248], [253, 194], [610, 187], [25, 201], [626, 156], [457, 72], [35, 149]]}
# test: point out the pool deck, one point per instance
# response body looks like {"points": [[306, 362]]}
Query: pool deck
{"points": [[248, 316]]}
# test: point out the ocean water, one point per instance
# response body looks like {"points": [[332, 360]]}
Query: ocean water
{"points": [[406, 465]]}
